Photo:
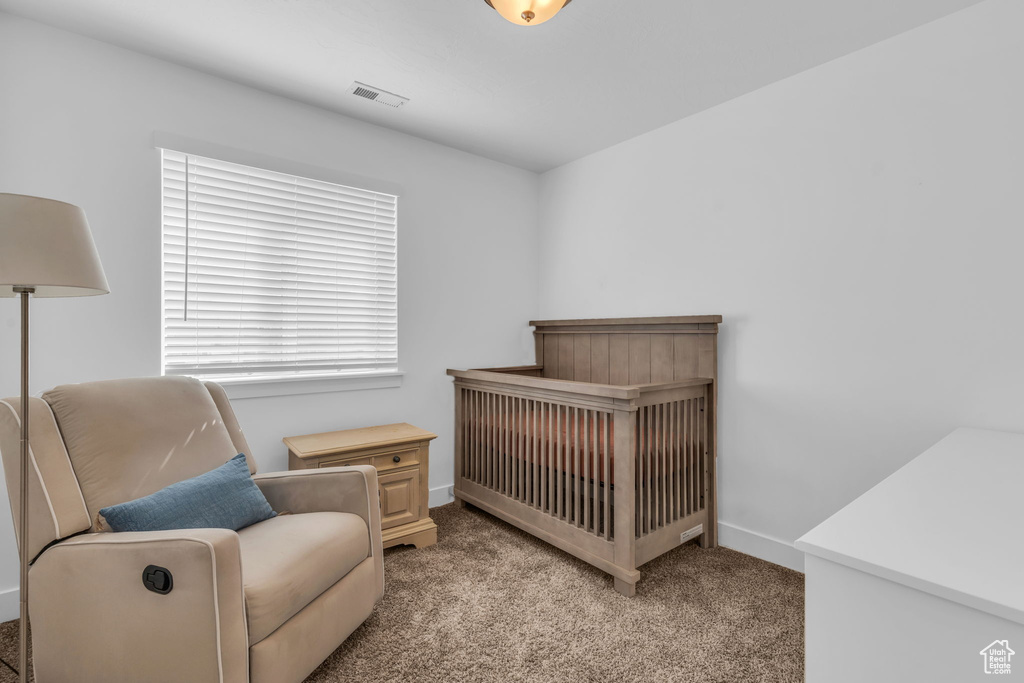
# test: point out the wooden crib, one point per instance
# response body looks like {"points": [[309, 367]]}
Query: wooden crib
{"points": [[606, 447]]}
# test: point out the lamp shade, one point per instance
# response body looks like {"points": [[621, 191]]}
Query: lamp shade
{"points": [[527, 12], [47, 245]]}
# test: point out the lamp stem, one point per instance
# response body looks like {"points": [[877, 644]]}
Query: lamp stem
{"points": [[23, 502]]}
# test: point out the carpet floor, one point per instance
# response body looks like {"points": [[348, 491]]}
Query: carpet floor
{"points": [[491, 603]]}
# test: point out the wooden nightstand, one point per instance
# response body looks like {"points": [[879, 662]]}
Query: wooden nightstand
{"points": [[400, 452]]}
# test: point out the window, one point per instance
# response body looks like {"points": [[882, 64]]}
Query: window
{"points": [[271, 275]]}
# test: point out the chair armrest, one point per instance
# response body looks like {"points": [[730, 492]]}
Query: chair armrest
{"points": [[90, 609], [350, 489]]}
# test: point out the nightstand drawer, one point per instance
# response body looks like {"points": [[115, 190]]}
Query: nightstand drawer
{"points": [[329, 461], [391, 460]]}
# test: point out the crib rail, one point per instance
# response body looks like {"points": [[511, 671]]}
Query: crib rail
{"points": [[671, 448], [553, 457], [543, 446]]}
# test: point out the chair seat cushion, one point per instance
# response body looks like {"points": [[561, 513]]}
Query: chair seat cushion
{"points": [[289, 560]]}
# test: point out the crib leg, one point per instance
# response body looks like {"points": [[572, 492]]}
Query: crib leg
{"points": [[461, 503], [625, 588], [709, 539]]}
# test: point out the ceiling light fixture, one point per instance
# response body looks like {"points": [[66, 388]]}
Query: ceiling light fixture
{"points": [[527, 12]]}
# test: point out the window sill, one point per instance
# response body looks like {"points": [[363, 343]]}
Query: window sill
{"points": [[259, 387]]}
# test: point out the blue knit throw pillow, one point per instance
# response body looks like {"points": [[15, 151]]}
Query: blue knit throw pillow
{"points": [[224, 498]]}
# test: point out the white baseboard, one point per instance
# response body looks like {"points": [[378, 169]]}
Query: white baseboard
{"points": [[9, 607], [442, 495], [768, 548]]}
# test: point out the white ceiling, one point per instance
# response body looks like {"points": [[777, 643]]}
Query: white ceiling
{"points": [[537, 97]]}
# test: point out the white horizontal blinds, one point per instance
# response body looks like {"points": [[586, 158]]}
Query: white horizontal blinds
{"points": [[268, 273]]}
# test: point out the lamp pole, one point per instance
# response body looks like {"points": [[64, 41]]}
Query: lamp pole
{"points": [[24, 292]]}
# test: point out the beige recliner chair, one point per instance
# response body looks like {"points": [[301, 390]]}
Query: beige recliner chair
{"points": [[264, 604]]}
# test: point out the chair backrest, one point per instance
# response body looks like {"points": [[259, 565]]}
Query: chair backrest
{"points": [[102, 443]]}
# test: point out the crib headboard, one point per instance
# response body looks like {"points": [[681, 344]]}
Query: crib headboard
{"points": [[628, 350]]}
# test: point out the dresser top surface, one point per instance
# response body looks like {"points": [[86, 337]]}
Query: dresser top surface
{"points": [[947, 523], [347, 440]]}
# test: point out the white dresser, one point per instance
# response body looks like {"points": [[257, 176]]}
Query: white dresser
{"points": [[916, 578]]}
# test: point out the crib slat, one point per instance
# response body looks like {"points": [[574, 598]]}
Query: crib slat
{"points": [[520, 455], [694, 478], [513, 455], [478, 436], [492, 451], [528, 445], [470, 435], [703, 451], [650, 479], [655, 497], [506, 443], [688, 429], [670, 411], [479, 440], [506, 461], [575, 466], [463, 433], [544, 472], [687, 487], [513, 451], [654, 468], [468, 442], [676, 449], [695, 465], [481, 437], [517, 461], [517, 450], [557, 469], [680, 436], [538, 477], [501, 443], [469, 432], [521, 449], [523, 422], [588, 486], [538, 480], [485, 415], [607, 479], [521, 428], [662, 470], [663, 461], [587, 490]]}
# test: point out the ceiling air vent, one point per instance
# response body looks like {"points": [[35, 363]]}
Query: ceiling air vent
{"points": [[377, 95]]}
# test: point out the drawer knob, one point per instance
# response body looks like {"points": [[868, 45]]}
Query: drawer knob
{"points": [[397, 458]]}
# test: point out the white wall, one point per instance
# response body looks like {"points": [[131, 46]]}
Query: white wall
{"points": [[860, 226], [77, 119]]}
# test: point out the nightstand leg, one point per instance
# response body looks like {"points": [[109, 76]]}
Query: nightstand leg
{"points": [[423, 539]]}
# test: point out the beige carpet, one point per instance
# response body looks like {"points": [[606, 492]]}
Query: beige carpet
{"points": [[490, 603]]}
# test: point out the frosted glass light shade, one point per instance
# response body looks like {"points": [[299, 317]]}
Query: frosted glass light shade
{"points": [[47, 245], [527, 12]]}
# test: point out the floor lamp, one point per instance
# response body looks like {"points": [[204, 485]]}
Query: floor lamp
{"points": [[46, 250]]}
